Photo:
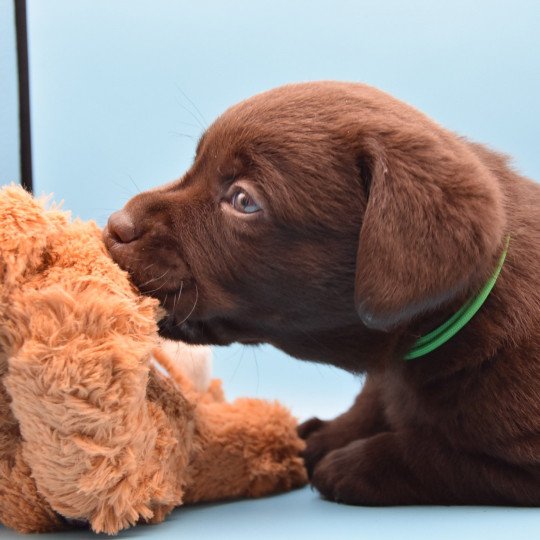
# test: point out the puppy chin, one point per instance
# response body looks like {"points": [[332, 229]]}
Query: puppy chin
{"points": [[203, 333], [192, 332]]}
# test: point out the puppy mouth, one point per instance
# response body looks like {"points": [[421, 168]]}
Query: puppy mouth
{"points": [[177, 292], [179, 324]]}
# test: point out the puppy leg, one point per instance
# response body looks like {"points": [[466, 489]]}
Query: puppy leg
{"points": [[414, 467], [364, 419]]}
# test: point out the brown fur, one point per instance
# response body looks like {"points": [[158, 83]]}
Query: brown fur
{"points": [[89, 429], [376, 225]]}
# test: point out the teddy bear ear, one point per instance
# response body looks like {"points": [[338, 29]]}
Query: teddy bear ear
{"points": [[24, 227]]}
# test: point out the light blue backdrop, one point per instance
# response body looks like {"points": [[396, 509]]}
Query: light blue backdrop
{"points": [[9, 108], [117, 87]]}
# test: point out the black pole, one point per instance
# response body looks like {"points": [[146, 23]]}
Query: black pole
{"points": [[24, 95]]}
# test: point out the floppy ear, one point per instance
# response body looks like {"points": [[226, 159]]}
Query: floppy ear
{"points": [[433, 224]]}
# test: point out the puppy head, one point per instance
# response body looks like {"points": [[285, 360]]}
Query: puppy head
{"points": [[311, 208]]}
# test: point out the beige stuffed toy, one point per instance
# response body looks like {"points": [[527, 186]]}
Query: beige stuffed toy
{"points": [[90, 429]]}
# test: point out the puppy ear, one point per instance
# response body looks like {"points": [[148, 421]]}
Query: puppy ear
{"points": [[433, 224]]}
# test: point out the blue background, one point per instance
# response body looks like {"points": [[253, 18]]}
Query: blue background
{"points": [[9, 121], [121, 90]]}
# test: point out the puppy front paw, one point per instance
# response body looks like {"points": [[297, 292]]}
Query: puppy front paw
{"points": [[368, 472], [305, 429], [319, 441], [336, 477]]}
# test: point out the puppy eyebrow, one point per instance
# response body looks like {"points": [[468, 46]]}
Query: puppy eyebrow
{"points": [[232, 168], [225, 178]]}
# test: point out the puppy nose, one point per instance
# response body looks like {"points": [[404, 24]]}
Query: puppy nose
{"points": [[121, 227]]}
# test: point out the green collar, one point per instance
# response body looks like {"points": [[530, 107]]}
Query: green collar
{"points": [[454, 324]]}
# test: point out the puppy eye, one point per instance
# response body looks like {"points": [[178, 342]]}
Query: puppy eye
{"points": [[243, 202]]}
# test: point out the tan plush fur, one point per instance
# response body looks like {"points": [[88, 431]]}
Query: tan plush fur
{"points": [[89, 429]]}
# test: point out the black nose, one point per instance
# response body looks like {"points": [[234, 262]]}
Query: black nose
{"points": [[121, 227]]}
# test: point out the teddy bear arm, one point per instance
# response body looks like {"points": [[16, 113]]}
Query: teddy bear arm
{"points": [[22, 508], [248, 448]]}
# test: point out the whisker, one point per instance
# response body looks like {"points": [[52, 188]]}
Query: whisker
{"points": [[155, 279], [133, 182], [243, 350], [148, 267], [124, 188], [191, 114], [156, 289], [178, 295], [193, 308], [257, 366], [194, 106], [185, 135]]}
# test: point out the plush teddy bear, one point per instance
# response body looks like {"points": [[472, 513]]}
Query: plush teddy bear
{"points": [[90, 429]]}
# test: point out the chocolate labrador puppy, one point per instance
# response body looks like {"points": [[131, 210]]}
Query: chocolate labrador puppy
{"points": [[344, 227]]}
